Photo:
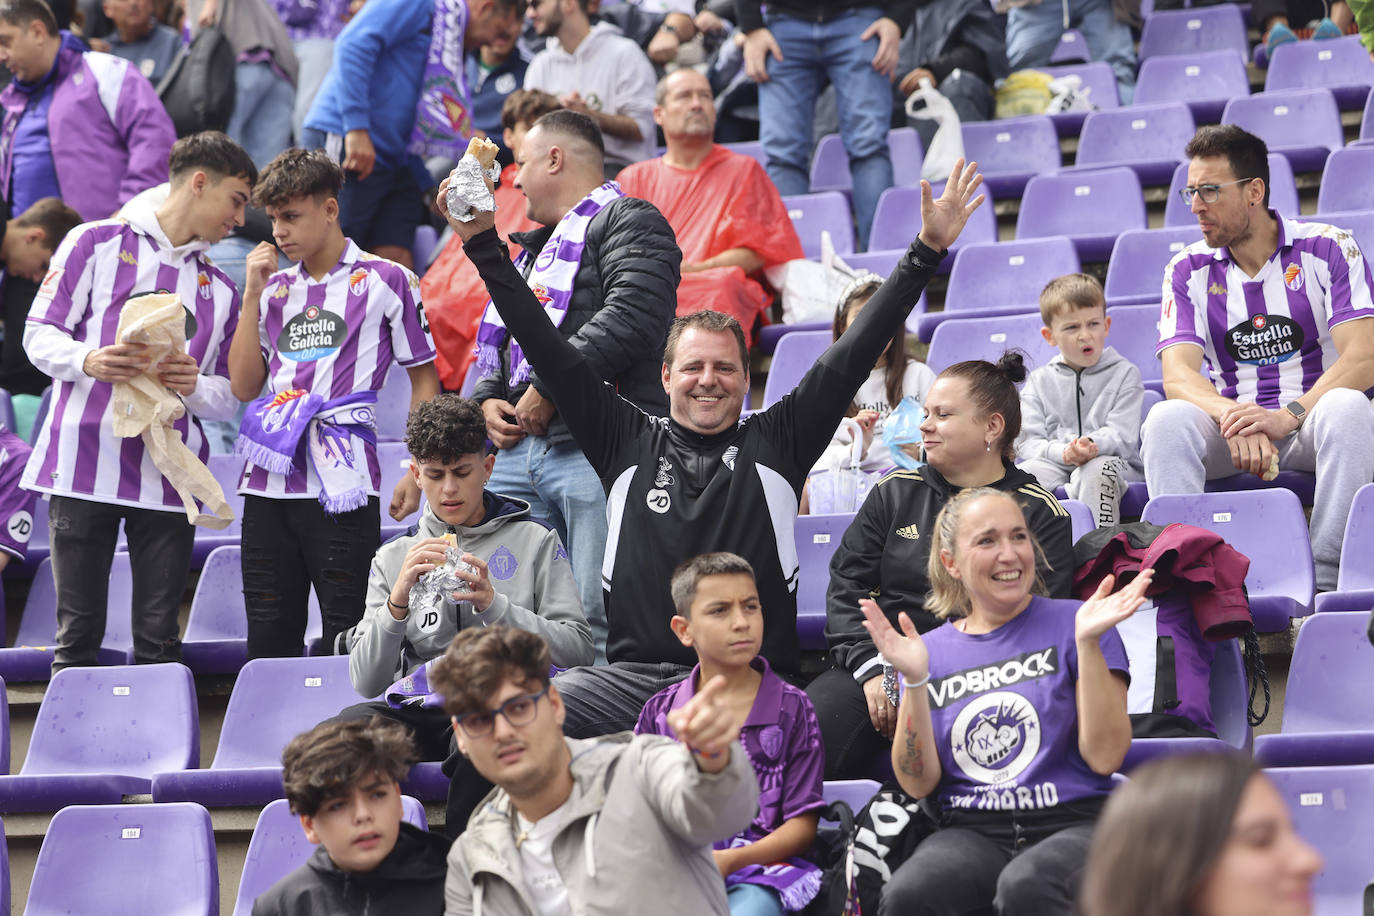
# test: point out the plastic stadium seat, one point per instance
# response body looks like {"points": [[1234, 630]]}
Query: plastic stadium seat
{"points": [[1001, 278], [1355, 579], [274, 700], [1072, 49], [1098, 80], [134, 860], [101, 734], [854, 792], [1190, 31], [1149, 139], [1134, 334], [1345, 180], [1092, 208], [4, 871], [1135, 272], [897, 221], [751, 148], [1268, 527], [423, 246], [30, 659], [1283, 194], [1328, 710], [1341, 65], [227, 470], [796, 353], [1302, 124], [766, 341], [830, 164], [1080, 515], [393, 405], [1230, 705], [986, 338], [4, 749], [1206, 81], [1333, 809], [1367, 122], [279, 846], [1360, 223], [816, 537], [828, 211], [1011, 151], [394, 459]]}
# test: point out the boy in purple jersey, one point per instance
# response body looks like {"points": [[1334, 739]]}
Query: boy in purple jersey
{"points": [[720, 618], [322, 336], [1281, 312], [16, 503]]}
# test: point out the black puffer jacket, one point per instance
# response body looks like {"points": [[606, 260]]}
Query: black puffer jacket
{"points": [[410, 880], [623, 300]]}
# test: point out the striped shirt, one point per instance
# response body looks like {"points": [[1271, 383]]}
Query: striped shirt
{"points": [[335, 337], [96, 269], [1267, 339]]}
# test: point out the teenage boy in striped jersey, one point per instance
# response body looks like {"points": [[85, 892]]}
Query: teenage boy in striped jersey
{"points": [[95, 479], [322, 335]]}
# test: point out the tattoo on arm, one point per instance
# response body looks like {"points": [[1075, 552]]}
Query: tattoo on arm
{"points": [[911, 762]]}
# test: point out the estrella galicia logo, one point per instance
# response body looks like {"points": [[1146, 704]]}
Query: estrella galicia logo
{"points": [[1263, 340], [313, 334]]}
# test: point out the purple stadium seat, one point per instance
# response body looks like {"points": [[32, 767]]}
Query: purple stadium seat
{"points": [[1134, 333], [1206, 81], [1080, 516], [796, 353], [393, 405], [394, 460], [1345, 180], [816, 538], [423, 245], [227, 470], [1011, 151], [828, 211], [986, 338], [897, 221], [1092, 208], [1149, 139], [4, 871], [279, 846], [1328, 720], [101, 734], [1283, 194], [1367, 122], [1230, 704], [1135, 272], [274, 700], [770, 334], [4, 749], [1267, 526], [751, 148], [1302, 124], [1341, 65], [1190, 31], [134, 860], [1100, 83], [1001, 278], [1072, 49], [1355, 579], [1359, 222], [830, 164], [854, 792], [30, 659], [1333, 809]]}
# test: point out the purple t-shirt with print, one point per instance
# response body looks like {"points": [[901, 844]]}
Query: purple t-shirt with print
{"points": [[1005, 711]]}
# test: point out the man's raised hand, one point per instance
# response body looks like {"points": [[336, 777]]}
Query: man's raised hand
{"points": [[706, 726], [943, 217], [484, 220]]}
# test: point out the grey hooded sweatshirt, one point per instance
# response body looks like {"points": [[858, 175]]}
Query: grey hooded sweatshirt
{"points": [[529, 572], [1061, 403]]}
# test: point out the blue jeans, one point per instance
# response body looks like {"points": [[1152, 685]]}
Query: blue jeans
{"points": [[262, 111], [564, 491], [811, 52], [752, 900], [315, 56], [1033, 33]]}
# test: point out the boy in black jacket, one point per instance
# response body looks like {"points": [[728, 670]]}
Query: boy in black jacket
{"points": [[343, 780]]}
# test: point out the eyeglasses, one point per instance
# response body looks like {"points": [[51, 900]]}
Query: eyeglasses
{"points": [[517, 711], [1209, 193]]}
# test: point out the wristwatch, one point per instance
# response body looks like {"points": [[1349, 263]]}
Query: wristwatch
{"points": [[669, 27], [1297, 410]]}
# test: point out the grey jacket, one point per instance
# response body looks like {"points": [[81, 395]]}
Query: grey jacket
{"points": [[529, 571], [635, 836], [1103, 403]]}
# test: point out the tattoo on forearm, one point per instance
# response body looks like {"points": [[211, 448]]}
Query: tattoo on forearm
{"points": [[911, 762]]}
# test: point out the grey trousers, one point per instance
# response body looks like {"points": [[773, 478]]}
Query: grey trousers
{"points": [[1100, 482]]}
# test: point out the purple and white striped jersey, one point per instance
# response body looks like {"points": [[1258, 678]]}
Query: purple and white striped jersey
{"points": [[96, 269], [1266, 339], [16, 503], [336, 337]]}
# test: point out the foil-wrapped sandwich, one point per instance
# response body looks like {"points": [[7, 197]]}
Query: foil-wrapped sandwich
{"points": [[471, 182]]}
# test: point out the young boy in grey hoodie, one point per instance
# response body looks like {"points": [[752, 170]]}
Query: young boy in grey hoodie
{"points": [[518, 574], [1080, 414]]}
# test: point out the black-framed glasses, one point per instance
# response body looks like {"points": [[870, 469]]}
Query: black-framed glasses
{"points": [[1210, 193], [517, 711]]}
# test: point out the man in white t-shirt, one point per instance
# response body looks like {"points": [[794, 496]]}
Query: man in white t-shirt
{"points": [[629, 814]]}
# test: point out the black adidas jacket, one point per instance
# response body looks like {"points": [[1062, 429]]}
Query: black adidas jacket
{"points": [[673, 494], [884, 552]]}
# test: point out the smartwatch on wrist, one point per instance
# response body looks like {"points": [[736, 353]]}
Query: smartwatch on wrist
{"points": [[1297, 410]]}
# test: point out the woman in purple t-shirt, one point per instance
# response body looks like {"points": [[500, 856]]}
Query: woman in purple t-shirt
{"points": [[1013, 717]]}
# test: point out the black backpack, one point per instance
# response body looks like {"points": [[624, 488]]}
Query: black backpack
{"points": [[198, 90]]}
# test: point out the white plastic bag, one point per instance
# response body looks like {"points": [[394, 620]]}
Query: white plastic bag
{"points": [[810, 290], [927, 104]]}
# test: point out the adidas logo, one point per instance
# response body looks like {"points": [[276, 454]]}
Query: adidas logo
{"points": [[909, 532]]}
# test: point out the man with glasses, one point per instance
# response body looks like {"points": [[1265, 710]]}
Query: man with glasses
{"points": [[575, 824], [1281, 311]]}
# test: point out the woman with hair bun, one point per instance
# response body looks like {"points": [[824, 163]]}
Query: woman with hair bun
{"points": [[972, 417], [1198, 835]]}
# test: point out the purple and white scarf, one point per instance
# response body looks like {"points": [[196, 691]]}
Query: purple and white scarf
{"points": [[443, 121], [555, 271], [271, 432], [414, 688], [795, 880]]}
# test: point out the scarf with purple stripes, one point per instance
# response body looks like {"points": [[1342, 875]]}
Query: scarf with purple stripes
{"points": [[555, 271], [443, 121]]}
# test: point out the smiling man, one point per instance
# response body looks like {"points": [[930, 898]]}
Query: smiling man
{"points": [[1281, 312]]}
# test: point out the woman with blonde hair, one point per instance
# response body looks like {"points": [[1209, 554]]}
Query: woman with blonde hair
{"points": [[1012, 718]]}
